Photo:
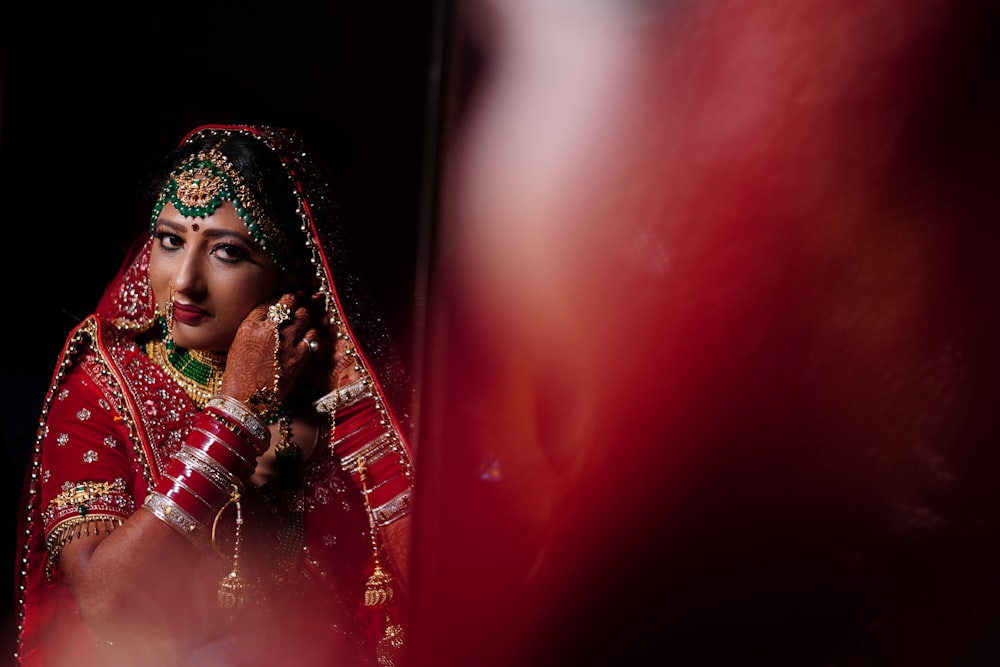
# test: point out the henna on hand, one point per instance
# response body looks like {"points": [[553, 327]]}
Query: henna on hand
{"points": [[336, 364], [250, 365]]}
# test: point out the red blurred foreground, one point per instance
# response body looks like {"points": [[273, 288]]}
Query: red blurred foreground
{"points": [[715, 339]]}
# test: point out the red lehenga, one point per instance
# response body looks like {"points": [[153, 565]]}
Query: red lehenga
{"points": [[113, 416]]}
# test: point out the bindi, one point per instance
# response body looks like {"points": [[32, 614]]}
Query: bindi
{"points": [[194, 226]]}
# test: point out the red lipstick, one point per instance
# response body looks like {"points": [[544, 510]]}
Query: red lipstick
{"points": [[189, 314]]}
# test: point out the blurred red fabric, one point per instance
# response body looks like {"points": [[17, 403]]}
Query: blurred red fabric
{"points": [[713, 330]]}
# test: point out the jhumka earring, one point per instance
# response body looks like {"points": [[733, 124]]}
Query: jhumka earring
{"points": [[168, 320]]}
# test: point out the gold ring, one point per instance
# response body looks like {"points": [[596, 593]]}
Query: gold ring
{"points": [[279, 313]]}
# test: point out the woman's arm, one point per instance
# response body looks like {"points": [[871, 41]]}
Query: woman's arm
{"points": [[129, 572]]}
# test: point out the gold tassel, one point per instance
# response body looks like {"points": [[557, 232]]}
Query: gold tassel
{"points": [[233, 592], [378, 590], [389, 651]]}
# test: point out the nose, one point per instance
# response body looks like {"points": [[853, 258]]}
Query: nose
{"points": [[189, 278]]}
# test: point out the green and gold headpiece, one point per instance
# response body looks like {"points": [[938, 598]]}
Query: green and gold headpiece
{"points": [[202, 182]]}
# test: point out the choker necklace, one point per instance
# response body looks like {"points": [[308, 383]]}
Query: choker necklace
{"points": [[199, 373]]}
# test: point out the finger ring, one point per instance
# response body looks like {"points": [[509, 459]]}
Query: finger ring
{"points": [[279, 313], [313, 345]]}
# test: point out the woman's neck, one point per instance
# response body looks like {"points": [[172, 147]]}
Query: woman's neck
{"points": [[198, 372]]}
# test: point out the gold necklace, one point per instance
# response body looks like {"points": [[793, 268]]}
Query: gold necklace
{"points": [[199, 373]]}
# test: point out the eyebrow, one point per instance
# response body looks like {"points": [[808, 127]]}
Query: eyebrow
{"points": [[210, 233], [226, 233], [169, 224]]}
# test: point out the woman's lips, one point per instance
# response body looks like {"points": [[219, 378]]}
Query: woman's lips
{"points": [[189, 314]]}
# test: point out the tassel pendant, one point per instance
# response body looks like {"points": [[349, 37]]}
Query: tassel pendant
{"points": [[389, 651], [378, 589], [233, 593]]}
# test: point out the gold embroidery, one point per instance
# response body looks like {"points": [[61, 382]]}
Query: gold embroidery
{"points": [[74, 502], [85, 493], [82, 526]]}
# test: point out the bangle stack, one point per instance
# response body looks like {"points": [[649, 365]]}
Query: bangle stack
{"points": [[376, 461], [240, 419], [218, 454]]}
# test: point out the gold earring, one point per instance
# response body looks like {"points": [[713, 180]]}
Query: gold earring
{"points": [[168, 319]]}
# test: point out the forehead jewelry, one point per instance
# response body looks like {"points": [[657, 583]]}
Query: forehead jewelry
{"points": [[199, 185]]}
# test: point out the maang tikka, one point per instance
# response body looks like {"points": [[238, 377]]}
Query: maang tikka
{"points": [[199, 186]]}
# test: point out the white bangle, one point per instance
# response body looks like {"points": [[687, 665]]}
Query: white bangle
{"points": [[169, 512], [247, 418], [341, 397]]}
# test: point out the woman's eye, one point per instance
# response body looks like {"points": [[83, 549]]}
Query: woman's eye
{"points": [[169, 241], [229, 253]]}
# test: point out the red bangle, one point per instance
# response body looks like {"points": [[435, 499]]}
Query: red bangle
{"points": [[193, 478], [217, 419], [384, 479], [216, 448], [246, 448], [357, 415], [224, 455], [363, 427], [183, 498]]}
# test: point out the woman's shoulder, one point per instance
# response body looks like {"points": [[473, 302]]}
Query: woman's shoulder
{"points": [[92, 347], [96, 332]]}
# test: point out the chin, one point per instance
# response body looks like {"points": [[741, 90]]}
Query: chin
{"points": [[200, 341]]}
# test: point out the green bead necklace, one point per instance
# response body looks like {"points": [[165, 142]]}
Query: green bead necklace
{"points": [[198, 372]]}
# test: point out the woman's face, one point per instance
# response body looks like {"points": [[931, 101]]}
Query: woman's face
{"points": [[212, 271]]}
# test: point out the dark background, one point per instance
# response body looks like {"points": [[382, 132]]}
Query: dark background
{"points": [[88, 93]]}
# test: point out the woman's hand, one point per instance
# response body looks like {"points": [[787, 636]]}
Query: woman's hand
{"points": [[334, 363], [250, 366]]}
